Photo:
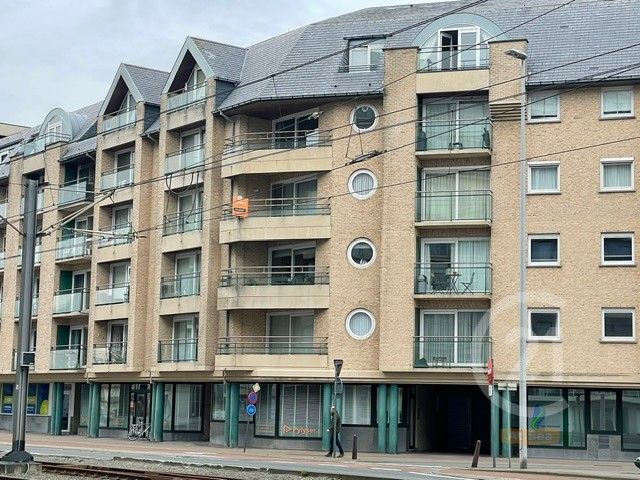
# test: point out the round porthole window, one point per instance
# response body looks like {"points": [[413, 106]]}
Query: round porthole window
{"points": [[361, 253], [360, 324], [362, 184], [364, 118]]}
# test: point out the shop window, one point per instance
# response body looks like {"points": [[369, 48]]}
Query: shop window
{"points": [[300, 411], [7, 398], [217, 409], [631, 419], [114, 405], [188, 408], [546, 407], [84, 404], [265, 419], [603, 410], [576, 435], [37, 399], [356, 405]]}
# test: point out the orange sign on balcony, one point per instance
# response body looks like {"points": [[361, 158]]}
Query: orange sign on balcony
{"points": [[240, 207]]}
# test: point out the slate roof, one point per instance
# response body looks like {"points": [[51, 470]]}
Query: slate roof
{"points": [[148, 81], [225, 60], [576, 31], [79, 148]]}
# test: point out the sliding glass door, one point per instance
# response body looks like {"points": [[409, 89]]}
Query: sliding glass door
{"points": [[293, 265]]}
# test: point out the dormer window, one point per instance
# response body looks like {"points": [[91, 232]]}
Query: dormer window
{"points": [[54, 131], [365, 54], [124, 116], [456, 48], [195, 79], [128, 102]]}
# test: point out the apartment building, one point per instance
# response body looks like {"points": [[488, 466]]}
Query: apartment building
{"points": [[255, 213]]}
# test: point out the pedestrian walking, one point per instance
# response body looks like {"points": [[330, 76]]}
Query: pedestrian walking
{"points": [[337, 421]]}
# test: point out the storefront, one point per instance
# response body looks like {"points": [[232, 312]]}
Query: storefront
{"points": [[38, 402]]}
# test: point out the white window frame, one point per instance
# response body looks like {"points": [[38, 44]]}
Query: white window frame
{"points": [[618, 235], [622, 160], [348, 326], [534, 338], [530, 189], [633, 325], [549, 236], [542, 94], [364, 44], [357, 194], [353, 116], [353, 244], [616, 115]]}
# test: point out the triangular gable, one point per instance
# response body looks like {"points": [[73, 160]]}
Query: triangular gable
{"points": [[188, 46], [123, 74]]}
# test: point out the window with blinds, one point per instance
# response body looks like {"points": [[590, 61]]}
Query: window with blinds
{"points": [[356, 405], [265, 418], [217, 408], [300, 411]]}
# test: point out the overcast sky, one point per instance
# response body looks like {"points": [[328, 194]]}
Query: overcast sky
{"points": [[64, 53]]}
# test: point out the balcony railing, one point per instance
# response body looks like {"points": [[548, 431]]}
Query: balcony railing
{"points": [[73, 192], [453, 206], [180, 286], [37, 257], [455, 57], [277, 140], [453, 135], [40, 143], [284, 207], [186, 96], [182, 222], [67, 357], [110, 353], [265, 276], [71, 300], [436, 351], [35, 301], [119, 177], [120, 119], [39, 202], [181, 350], [75, 246], [184, 159], [453, 278], [116, 235], [3, 208], [114, 293], [273, 345]]}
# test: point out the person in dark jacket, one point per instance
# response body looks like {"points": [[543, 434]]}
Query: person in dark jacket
{"points": [[337, 421]]}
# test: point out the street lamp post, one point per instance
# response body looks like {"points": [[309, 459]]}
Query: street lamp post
{"points": [[522, 391]]}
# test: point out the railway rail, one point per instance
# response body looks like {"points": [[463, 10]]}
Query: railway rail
{"points": [[93, 471]]}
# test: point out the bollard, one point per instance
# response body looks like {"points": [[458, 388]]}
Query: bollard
{"points": [[476, 455], [354, 449]]}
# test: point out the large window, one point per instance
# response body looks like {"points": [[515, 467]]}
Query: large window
{"points": [[544, 177], [631, 419], [265, 418], [603, 411], [217, 402], [300, 411], [114, 405], [449, 195], [556, 417], [617, 102], [356, 405], [37, 398], [544, 250], [183, 407], [617, 249], [618, 325], [616, 174]]}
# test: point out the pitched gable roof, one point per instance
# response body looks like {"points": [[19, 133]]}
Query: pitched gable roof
{"points": [[145, 84]]}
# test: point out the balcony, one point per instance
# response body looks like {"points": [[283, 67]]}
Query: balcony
{"points": [[110, 353], [182, 222], [35, 301], [462, 208], [73, 248], [113, 242], [117, 120], [303, 287], [278, 219], [120, 177], [453, 69], [455, 280], [71, 301], [277, 152], [180, 286], [75, 192], [447, 352], [185, 97], [112, 294], [459, 139], [180, 350], [272, 352], [39, 144], [185, 159], [67, 357], [36, 259], [39, 202]]}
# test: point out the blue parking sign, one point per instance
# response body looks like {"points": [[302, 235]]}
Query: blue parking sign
{"points": [[251, 410]]}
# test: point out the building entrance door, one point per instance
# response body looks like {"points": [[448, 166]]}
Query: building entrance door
{"points": [[140, 404]]}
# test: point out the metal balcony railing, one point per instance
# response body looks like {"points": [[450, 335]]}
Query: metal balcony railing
{"points": [[76, 191], [277, 140], [453, 206], [265, 276], [68, 357], [454, 57], [40, 143], [453, 135], [459, 351], [110, 353], [36, 259], [182, 222], [453, 278], [75, 246], [71, 300], [273, 345], [372, 67], [116, 235], [178, 350], [39, 202], [120, 119], [114, 293], [284, 207], [118, 177], [187, 96], [184, 159], [35, 302], [180, 286]]}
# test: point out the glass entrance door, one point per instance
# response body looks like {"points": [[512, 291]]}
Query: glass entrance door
{"points": [[66, 402], [439, 259], [139, 404]]}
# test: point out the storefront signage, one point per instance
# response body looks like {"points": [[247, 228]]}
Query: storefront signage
{"points": [[301, 431]]}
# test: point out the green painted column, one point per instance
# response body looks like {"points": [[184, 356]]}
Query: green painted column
{"points": [[56, 410], [157, 412], [495, 423], [382, 418], [392, 443], [506, 422], [326, 416], [234, 414], [94, 410], [227, 412]]}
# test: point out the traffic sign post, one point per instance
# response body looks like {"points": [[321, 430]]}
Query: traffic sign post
{"points": [[251, 409]]}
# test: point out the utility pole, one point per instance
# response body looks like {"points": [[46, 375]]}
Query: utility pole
{"points": [[337, 385], [18, 454]]}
